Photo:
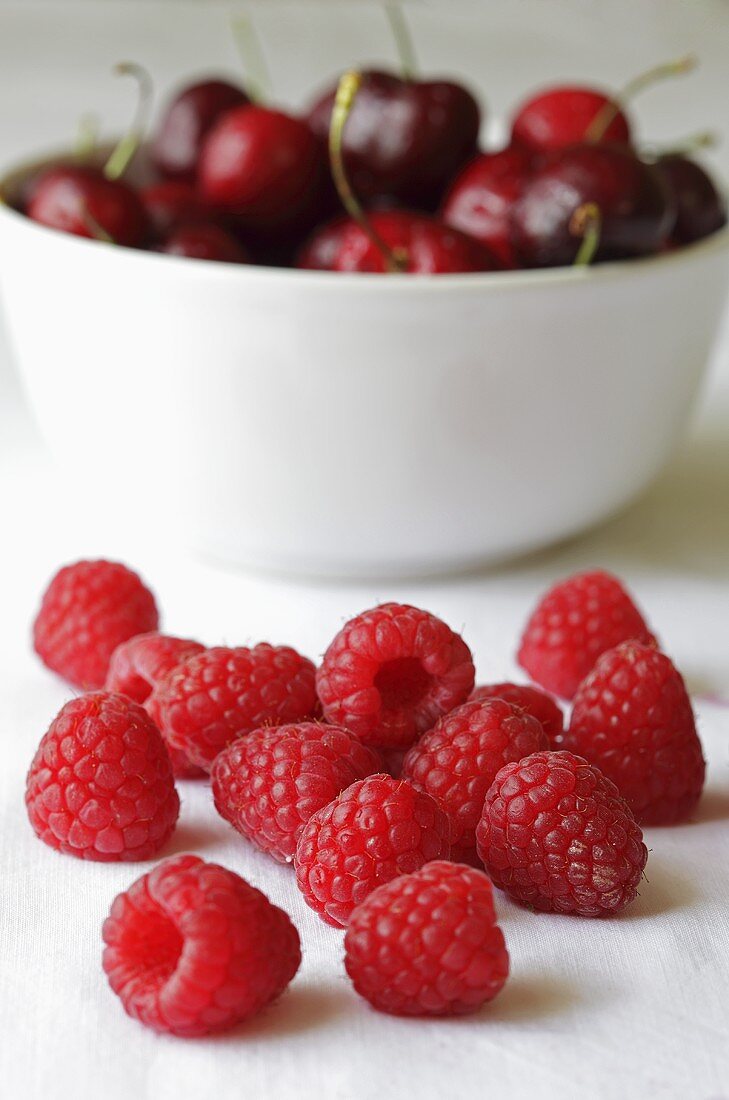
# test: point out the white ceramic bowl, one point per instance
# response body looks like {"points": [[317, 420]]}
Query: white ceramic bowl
{"points": [[360, 424]]}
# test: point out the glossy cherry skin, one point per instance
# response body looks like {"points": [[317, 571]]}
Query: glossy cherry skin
{"points": [[77, 200], [186, 122], [636, 208], [480, 199], [429, 247], [562, 116], [700, 208], [404, 138], [204, 241], [319, 252], [170, 203], [264, 167]]}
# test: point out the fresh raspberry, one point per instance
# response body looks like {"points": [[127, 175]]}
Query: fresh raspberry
{"points": [[391, 673], [632, 718], [217, 696], [192, 948], [372, 832], [428, 944], [100, 786], [529, 699], [556, 835], [576, 621], [457, 761], [268, 784], [88, 609], [138, 665]]}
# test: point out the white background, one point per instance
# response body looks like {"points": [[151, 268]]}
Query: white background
{"points": [[630, 1008]]}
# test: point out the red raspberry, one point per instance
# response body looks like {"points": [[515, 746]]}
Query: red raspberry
{"points": [[88, 609], [632, 718], [192, 948], [138, 665], [372, 832], [268, 784], [391, 673], [457, 761], [529, 699], [100, 786], [556, 835], [428, 944], [217, 696], [576, 621]]}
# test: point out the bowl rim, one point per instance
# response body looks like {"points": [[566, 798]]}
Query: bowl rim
{"points": [[343, 282]]}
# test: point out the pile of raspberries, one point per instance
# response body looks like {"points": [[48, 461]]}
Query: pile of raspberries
{"points": [[401, 792]]}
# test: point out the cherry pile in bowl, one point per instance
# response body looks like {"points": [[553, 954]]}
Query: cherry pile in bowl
{"points": [[387, 174]]}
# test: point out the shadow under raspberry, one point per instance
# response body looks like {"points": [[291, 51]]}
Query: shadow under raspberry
{"points": [[662, 890]]}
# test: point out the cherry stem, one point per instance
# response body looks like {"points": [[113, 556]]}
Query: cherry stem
{"points": [[122, 155], [87, 136], [95, 227], [586, 222], [608, 112], [248, 45], [705, 139], [403, 40], [349, 85]]}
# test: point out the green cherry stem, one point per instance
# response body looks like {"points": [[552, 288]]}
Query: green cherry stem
{"points": [[587, 224], [403, 40], [686, 147], [596, 130], [257, 76], [122, 155], [97, 230]]}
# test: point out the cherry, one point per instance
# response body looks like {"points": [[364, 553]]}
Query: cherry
{"points": [[264, 167], [319, 252], [84, 202], [204, 241], [185, 123], [171, 202], [700, 208], [480, 199], [563, 115], [635, 207]]}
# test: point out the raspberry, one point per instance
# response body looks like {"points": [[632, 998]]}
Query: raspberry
{"points": [[136, 667], [192, 948], [217, 696], [457, 761], [391, 673], [576, 621], [88, 609], [526, 698], [428, 944], [556, 835], [100, 786], [632, 718], [372, 832], [268, 784]]}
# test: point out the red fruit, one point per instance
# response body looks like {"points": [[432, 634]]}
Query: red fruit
{"points": [[186, 121], [573, 623], [100, 786], [83, 202], [268, 784], [214, 698], [457, 761], [372, 832], [632, 718], [391, 673], [635, 207], [264, 167], [528, 699], [700, 208], [204, 241], [427, 944], [88, 609], [403, 138], [191, 948], [556, 835], [170, 203], [480, 199], [320, 251], [562, 116]]}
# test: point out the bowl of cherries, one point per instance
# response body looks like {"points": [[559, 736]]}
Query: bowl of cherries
{"points": [[352, 339]]}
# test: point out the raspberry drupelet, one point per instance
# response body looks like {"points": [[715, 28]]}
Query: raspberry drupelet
{"points": [[529, 699]]}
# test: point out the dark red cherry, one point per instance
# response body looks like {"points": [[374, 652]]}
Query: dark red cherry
{"points": [[84, 202], [185, 123], [319, 252], [700, 208], [480, 199], [562, 116], [264, 167], [171, 202], [635, 207], [204, 241], [403, 138]]}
